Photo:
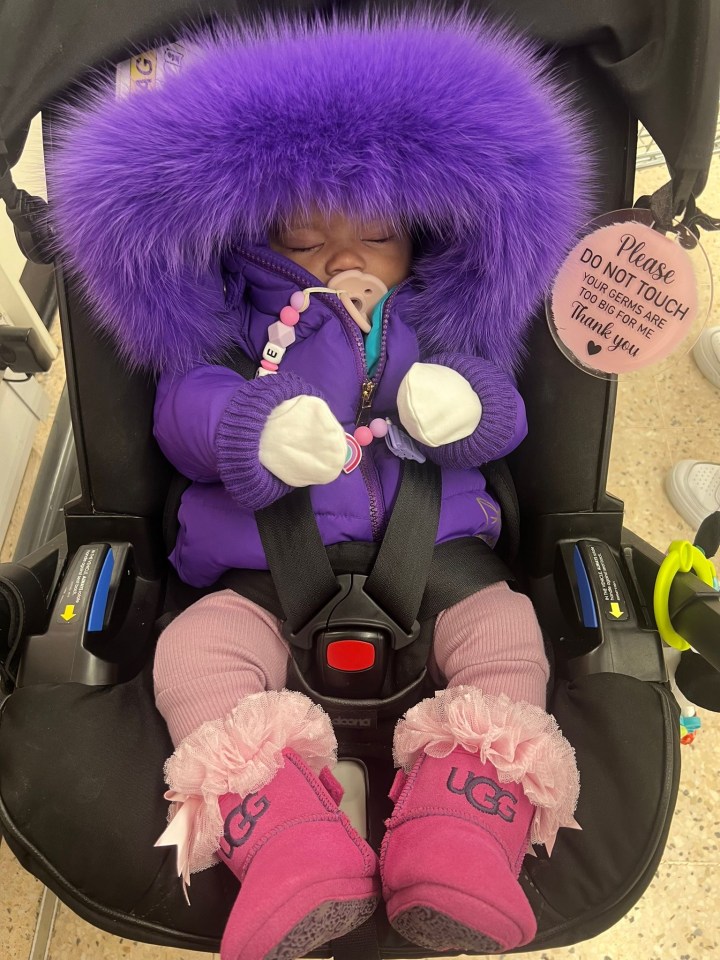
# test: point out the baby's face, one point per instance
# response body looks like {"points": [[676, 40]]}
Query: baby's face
{"points": [[328, 246]]}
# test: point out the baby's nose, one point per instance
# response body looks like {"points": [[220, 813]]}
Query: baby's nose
{"points": [[347, 258]]}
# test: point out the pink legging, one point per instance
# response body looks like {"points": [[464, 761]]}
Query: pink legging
{"points": [[224, 648]]}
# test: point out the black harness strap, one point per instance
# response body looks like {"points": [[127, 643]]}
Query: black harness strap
{"points": [[460, 568], [302, 574], [297, 559], [236, 359], [411, 579], [305, 581], [398, 578]]}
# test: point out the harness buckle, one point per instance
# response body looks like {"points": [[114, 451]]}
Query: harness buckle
{"points": [[352, 638]]}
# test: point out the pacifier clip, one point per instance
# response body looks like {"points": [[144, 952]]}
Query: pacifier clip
{"points": [[362, 292]]}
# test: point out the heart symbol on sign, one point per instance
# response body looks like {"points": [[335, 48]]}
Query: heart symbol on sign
{"points": [[593, 348]]}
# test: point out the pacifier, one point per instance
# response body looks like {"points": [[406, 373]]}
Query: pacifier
{"points": [[359, 293]]}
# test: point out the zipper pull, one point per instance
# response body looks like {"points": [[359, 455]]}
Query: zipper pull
{"points": [[368, 388], [366, 393]]}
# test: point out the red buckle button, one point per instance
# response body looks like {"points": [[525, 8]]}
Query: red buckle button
{"points": [[351, 655]]}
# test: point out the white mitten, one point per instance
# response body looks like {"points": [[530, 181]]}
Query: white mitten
{"points": [[302, 443], [437, 405]]}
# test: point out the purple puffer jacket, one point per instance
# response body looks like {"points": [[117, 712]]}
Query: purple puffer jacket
{"points": [[208, 423], [442, 122]]}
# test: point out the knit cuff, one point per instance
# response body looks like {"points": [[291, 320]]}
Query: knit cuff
{"points": [[237, 439], [502, 424]]}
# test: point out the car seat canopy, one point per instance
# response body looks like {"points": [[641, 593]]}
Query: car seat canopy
{"points": [[447, 123]]}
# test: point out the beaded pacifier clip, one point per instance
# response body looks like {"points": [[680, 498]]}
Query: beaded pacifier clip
{"points": [[359, 293]]}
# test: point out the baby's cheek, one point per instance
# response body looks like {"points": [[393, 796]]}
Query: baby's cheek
{"points": [[398, 269]]}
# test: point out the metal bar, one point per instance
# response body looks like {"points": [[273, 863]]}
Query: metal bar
{"points": [[57, 483], [20, 311], [44, 926]]}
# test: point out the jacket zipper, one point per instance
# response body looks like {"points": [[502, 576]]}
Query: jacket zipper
{"points": [[367, 385], [367, 463]]}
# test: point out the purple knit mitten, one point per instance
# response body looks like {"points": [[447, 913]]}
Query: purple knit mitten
{"points": [[237, 439], [502, 424]]}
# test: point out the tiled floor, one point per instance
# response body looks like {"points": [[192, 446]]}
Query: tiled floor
{"points": [[660, 420]]}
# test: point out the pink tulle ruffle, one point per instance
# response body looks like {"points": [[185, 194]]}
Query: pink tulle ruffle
{"points": [[521, 740], [238, 754]]}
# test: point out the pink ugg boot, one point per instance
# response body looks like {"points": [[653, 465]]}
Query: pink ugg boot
{"points": [[249, 796], [305, 875], [486, 777]]}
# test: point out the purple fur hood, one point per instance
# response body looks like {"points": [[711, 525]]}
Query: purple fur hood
{"points": [[444, 121], [446, 125]]}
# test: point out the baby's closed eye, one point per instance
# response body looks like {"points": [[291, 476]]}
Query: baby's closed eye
{"points": [[294, 249]]}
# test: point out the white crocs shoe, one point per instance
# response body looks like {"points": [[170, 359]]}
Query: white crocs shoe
{"points": [[706, 354], [693, 488]]}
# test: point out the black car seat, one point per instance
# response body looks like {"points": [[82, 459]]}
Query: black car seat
{"points": [[81, 744]]}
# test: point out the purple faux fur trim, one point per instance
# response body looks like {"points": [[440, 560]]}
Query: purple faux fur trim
{"points": [[443, 120]]}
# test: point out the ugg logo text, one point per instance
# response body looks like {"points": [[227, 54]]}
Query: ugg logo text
{"points": [[241, 822], [485, 795]]}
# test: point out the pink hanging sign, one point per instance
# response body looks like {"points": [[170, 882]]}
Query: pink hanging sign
{"points": [[626, 296]]}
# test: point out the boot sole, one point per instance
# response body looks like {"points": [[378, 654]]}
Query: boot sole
{"points": [[437, 931], [441, 918], [330, 920]]}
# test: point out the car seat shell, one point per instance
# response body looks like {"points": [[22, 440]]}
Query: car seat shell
{"points": [[100, 800]]}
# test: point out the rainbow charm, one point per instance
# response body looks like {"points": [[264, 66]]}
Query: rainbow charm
{"points": [[354, 454]]}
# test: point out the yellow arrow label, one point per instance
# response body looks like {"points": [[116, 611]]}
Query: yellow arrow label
{"points": [[69, 612], [615, 610]]}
